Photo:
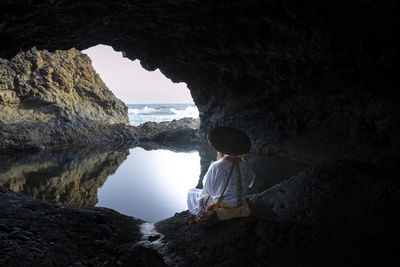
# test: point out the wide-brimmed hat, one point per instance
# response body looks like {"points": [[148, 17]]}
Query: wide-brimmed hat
{"points": [[229, 140]]}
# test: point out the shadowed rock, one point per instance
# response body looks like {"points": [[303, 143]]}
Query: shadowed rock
{"points": [[35, 232], [331, 214]]}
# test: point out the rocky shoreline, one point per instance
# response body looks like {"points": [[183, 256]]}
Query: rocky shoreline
{"points": [[37, 233], [300, 227]]}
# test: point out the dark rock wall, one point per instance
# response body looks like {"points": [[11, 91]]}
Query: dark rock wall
{"points": [[339, 213], [311, 80]]}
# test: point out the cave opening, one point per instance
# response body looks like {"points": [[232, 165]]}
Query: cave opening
{"points": [[149, 95]]}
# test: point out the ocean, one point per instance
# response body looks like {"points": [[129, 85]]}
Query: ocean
{"points": [[141, 113]]}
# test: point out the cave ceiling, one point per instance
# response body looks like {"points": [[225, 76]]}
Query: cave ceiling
{"points": [[281, 70]]}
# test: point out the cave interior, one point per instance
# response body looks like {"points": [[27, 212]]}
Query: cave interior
{"points": [[313, 81]]}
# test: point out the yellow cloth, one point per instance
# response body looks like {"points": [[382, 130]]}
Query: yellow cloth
{"points": [[228, 211]]}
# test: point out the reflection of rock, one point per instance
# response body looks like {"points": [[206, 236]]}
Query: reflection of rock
{"points": [[63, 176], [56, 98], [37, 233], [182, 147]]}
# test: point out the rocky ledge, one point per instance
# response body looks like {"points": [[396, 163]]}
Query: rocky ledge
{"points": [[37, 233], [48, 99], [176, 134], [332, 214]]}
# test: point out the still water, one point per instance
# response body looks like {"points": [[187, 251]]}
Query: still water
{"points": [[150, 185]]}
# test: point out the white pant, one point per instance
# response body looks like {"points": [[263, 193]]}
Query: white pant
{"points": [[193, 200]]}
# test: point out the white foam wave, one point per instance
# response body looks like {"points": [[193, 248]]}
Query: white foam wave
{"points": [[144, 110], [134, 111], [187, 112]]}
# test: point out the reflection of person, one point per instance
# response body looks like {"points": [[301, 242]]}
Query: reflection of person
{"points": [[233, 143]]}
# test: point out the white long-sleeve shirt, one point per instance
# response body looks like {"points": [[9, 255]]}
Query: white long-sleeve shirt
{"points": [[217, 175]]}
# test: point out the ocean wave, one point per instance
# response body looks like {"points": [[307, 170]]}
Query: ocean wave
{"points": [[133, 111], [155, 112], [145, 110], [187, 112]]}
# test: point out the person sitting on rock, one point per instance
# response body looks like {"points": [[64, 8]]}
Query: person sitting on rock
{"points": [[227, 178]]}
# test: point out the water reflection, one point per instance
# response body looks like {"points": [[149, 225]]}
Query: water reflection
{"points": [[67, 176], [151, 185]]}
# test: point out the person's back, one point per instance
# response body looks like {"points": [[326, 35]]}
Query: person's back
{"points": [[217, 175]]}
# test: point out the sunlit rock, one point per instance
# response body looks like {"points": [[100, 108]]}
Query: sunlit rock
{"points": [[56, 98]]}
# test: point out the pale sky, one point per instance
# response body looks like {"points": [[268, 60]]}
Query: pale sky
{"points": [[133, 84]]}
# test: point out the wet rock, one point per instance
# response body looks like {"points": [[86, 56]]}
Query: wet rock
{"points": [[49, 235], [177, 132]]}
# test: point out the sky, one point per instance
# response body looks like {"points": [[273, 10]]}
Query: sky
{"points": [[133, 84]]}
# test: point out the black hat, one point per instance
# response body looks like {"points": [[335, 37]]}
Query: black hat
{"points": [[229, 140]]}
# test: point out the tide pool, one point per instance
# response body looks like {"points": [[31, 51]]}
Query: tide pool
{"points": [[151, 185]]}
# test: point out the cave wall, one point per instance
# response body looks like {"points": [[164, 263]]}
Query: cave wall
{"points": [[310, 80]]}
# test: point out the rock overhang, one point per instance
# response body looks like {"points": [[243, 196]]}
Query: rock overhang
{"points": [[310, 81]]}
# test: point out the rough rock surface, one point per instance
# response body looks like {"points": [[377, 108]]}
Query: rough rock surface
{"points": [[56, 98], [311, 80], [36, 233], [331, 214], [184, 131], [73, 174]]}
